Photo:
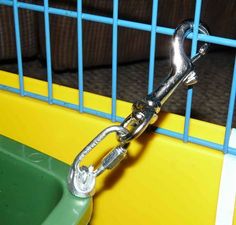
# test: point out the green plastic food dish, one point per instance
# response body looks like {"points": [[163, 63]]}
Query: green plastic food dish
{"points": [[33, 189]]}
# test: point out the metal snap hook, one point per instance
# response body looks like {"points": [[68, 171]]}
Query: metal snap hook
{"points": [[182, 69], [180, 62], [82, 179]]}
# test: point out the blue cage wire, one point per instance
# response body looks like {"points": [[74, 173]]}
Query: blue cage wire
{"points": [[153, 28]]}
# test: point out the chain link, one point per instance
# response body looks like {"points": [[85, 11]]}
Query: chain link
{"points": [[81, 179]]}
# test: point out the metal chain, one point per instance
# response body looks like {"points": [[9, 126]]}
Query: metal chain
{"points": [[81, 178]]}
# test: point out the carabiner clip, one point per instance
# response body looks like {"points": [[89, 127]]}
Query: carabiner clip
{"points": [[82, 179]]}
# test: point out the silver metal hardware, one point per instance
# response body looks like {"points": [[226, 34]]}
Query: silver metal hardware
{"points": [[143, 113], [182, 69], [112, 159], [191, 79], [81, 179]]}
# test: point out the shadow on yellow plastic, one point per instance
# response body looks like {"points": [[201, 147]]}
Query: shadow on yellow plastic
{"points": [[162, 181]]}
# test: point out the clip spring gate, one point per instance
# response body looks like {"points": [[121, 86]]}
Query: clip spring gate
{"points": [[82, 179]]}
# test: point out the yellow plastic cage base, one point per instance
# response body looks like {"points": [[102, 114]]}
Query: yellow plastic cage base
{"points": [[163, 180]]}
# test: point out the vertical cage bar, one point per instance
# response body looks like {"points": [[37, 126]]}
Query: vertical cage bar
{"points": [[152, 46], [48, 50], [80, 54], [230, 111], [193, 52], [114, 58], [18, 46]]}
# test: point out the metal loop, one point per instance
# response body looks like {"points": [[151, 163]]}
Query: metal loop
{"points": [[81, 179], [119, 130], [136, 123]]}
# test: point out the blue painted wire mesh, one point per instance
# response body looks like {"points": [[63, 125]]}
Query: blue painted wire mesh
{"points": [[153, 28]]}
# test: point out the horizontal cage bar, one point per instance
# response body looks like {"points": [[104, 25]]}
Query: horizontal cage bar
{"points": [[122, 23], [116, 22]]}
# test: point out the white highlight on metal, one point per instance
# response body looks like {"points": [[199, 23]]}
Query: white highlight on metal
{"points": [[227, 192]]}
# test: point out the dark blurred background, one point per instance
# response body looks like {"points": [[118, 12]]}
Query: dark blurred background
{"points": [[211, 94]]}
